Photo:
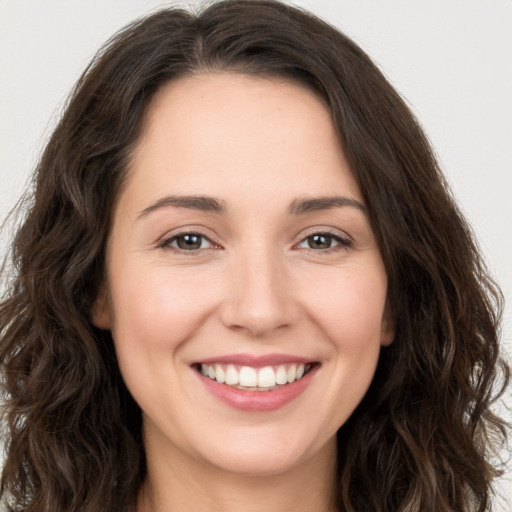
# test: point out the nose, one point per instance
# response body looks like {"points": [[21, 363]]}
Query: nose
{"points": [[259, 299]]}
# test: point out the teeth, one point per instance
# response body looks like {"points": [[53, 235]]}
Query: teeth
{"points": [[231, 376], [220, 374], [248, 377], [261, 379], [281, 376], [266, 377], [291, 374]]}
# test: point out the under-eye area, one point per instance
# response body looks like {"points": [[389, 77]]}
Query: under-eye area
{"points": [[266, 378]]}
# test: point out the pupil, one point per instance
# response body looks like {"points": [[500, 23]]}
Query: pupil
{"points": [[189, 242], [319, 242]]}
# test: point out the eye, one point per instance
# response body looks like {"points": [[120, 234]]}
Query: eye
{"points": [[323, 241], [187, 242]]}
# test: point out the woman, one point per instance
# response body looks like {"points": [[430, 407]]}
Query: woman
{"points": [[244, 284]]}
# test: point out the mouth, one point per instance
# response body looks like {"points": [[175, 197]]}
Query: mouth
{"points": [[250, 378], [256, 384]]}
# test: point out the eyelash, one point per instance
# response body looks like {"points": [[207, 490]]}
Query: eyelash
{"points": [[341, 242], [167, 242]]}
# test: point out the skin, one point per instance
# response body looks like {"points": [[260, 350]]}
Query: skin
{"points": [[256, 284]]}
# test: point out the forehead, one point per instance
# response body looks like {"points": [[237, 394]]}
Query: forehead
{"points": [[214, 133]]}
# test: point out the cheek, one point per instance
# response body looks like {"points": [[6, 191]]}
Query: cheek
{"points": [[350, 316], [155, 313], [156, 308], [349, 308]]}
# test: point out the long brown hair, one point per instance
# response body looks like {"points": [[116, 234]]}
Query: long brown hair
{"points": [[423, 436]]}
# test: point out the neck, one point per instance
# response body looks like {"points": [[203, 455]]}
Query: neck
{"points": [[181, 484]]}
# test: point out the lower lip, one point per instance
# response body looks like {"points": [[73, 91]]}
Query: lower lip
{"points": [[257, 401]]}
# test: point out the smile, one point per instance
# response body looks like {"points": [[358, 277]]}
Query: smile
{"points": [[249, 378], [256, 384]]}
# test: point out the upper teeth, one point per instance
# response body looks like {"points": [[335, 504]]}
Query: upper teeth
{"points": [[249, 377]]}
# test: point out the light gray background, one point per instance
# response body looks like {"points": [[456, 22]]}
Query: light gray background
{"points": [[451, 60]]}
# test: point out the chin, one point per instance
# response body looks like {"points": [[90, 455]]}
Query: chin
{"points": [[256, 465], [266, 455]]}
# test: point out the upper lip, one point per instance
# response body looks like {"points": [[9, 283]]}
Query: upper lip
{"points": [[256, 361]]}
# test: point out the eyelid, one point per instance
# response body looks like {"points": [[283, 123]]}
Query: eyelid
{"points": [[345, 241], [325, 230], [165, 241]]}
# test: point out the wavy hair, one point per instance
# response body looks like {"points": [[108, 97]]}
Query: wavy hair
{"points": [[422, 439]]}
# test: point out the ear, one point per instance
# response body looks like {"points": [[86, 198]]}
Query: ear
{"points": [[100, 311], [387, 332]]}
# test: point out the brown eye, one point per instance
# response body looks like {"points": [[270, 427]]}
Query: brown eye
{"points": [[324, 241], [320, 241], [188, 242]]}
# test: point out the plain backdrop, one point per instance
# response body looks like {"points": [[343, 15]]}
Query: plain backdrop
{"points": [[450, 59]]}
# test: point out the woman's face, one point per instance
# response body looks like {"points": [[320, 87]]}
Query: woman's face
{"points": [[241, 248]]}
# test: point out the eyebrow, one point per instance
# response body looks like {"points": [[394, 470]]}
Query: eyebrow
{"points": [[202, 203], [214, 205], [302, 206]]}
